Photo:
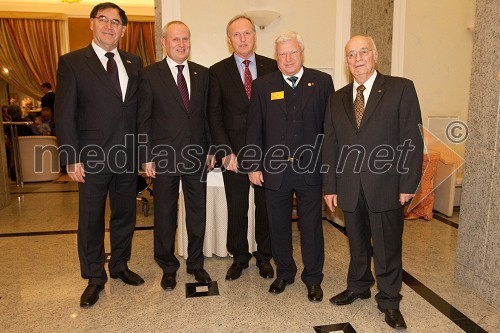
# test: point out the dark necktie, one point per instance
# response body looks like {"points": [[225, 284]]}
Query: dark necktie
{"points": [[359, 104], [247, 79], [112, 70], [293, 79], [182, 86]]}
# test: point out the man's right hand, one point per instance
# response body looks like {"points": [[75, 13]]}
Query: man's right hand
{"points": [[230, 162], [75, 172], [149, 169], [331, 201], [256, 178]]}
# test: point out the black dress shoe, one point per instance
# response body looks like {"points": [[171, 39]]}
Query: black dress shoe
{"points": [[200, 275], [393, 318], [128, 277], [314, 293], [278, 286], [168, 281], [347, 297], [235, 270], [265, 269], [90, 295]]}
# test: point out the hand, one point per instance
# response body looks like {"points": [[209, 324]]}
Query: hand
{"points": [[75, 172], [331, 201], [149, 169], [256, 178], [230, 162], [405, 197], [210, 162]]}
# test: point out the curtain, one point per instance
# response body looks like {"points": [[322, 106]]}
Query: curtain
{"points": [[140, 40], [30, 49]]}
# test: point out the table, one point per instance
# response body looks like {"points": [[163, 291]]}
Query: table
{"points": [[424, 197], [216, 228]]}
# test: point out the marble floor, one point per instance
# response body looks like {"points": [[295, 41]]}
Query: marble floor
{"points": [[41, 284]]}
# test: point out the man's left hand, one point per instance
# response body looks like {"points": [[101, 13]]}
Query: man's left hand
{"points": [[405, 197]]}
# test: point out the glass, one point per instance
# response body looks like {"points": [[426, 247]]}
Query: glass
{"points": [[104, 21], [353, 54]]}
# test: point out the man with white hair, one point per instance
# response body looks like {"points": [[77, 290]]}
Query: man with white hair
{"points": [[285, 127]]}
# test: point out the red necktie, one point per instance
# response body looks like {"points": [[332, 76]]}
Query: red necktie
{"points": [[182, 86], [112, 70], [247, 79]]}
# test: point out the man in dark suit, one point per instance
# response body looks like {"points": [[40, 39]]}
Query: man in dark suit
{"points": [[96, 112], [173, 127], [373, 149], [229, 99], [49, 97], [285, 124]]}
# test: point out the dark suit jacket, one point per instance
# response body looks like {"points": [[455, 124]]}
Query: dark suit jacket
{"points": [[48, 100], [89, 111], [164, 125], [392, 116], [228, 102], [266, 127]]}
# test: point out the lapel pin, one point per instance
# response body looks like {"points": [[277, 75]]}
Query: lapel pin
{"points": [[129, 62], [310, 84], [380, 90], [195, 73]]}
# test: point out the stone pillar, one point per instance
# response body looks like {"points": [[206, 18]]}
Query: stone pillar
{"points": [[158, 26], [375, 18], [4, 178], [478, 247]]}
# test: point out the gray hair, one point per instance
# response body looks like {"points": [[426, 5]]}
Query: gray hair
{"points": [[237, 17], [290, 35], [164, 29]]}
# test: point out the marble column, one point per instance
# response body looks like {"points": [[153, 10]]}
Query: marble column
{"points": [[4, 178], [478, 247], [375, 18]]}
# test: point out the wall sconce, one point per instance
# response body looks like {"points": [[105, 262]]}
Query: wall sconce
{"points": [[262, 18]]}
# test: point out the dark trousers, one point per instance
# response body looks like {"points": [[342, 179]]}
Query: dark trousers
{"points": [[279, 210], [386, 231], [91, 227], [166, 195], [237, 186]]}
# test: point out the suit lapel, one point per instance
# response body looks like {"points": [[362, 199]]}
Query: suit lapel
{"points": [[349, 105], [97, 68], [130, 72], [307, 81], [168, 79], [375, 95], [232, 69], [195, 83]]}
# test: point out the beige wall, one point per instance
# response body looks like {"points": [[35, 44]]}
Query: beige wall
{"points": [[438, 53], [314, 20]]}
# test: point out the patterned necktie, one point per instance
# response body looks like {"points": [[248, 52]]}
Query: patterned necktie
{"points": [[182, 86], [247, 82], [112, 70], [359, 104], [293, 79]]}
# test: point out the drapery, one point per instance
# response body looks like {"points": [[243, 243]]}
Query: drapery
{"points": [[29, 50], [139, 40]]}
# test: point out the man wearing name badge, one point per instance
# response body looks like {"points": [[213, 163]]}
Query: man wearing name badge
{"points": [[373, 150], [229, 99], [285, 125], [97, 118], [174, 139]]}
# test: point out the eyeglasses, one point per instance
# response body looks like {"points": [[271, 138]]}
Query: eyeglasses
{"points": [[353, 54], [104, 21]]}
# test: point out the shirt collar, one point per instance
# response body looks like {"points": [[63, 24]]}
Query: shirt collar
{"points": [[239, 60], [102, 52], [172, 64], [298, 75], [368, 84]]}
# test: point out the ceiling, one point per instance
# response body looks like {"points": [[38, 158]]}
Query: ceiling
{"points": [[81, 9]]}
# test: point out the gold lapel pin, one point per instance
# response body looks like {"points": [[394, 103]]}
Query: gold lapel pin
{"points": [[129, 62], [380, 90], [310, 84], [195, 73]]}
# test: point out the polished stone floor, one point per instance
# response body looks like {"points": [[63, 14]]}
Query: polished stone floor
{"points": [[41, 285]]}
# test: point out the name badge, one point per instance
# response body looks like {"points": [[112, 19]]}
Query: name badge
{"points": [[277, 95]]}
